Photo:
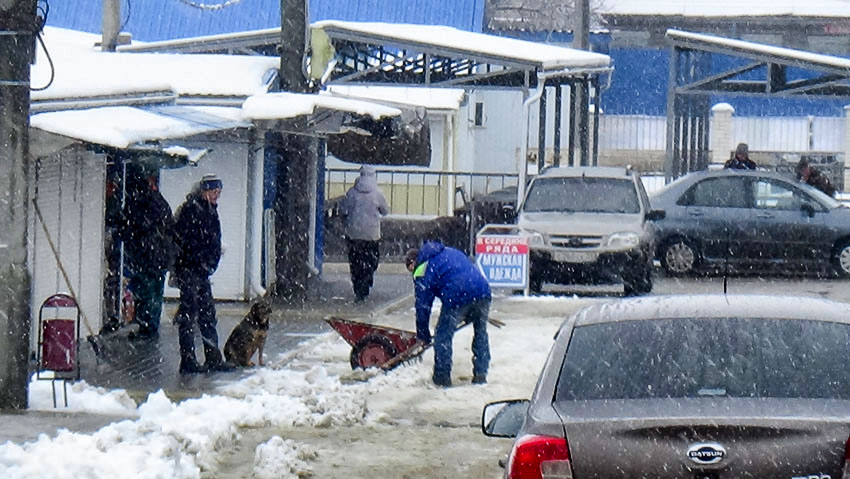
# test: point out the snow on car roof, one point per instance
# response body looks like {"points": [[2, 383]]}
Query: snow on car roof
{"points": [[716, 306], [593, 171]]}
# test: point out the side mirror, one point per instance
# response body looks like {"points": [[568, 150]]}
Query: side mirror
{"points": [[655, 215], [504, 418], [808, 208]]}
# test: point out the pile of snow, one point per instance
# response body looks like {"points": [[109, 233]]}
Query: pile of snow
{"points": [[316, 388]]}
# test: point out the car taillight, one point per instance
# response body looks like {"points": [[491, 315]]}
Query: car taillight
{"points": [[846, 474], [540, 457]]}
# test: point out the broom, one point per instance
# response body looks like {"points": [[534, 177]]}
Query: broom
{"points": [[92, 338]]}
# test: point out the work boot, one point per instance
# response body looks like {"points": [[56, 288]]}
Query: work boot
{"points": [[191, 366], [443, 382], [479, 379]]}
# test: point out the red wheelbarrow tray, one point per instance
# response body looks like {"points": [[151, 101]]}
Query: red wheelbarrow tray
{"points": [[377, 346]]}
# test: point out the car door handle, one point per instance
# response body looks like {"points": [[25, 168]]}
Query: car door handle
{"points": [[766, 215], [696, 213]]}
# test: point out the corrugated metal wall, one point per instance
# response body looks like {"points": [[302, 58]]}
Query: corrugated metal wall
{"points": [[152, 20], [69, 189]]}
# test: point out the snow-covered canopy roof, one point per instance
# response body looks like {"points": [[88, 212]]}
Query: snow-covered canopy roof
{"points": [[760, 51], [81, 70], [278, 106], [124, 100], [124, 126], [469, 44], [430, 98], [727, 8]]}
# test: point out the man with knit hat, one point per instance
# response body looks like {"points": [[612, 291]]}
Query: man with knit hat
{"points": [[198, 236], [741, 160]]}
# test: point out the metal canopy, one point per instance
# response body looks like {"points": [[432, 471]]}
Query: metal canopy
{"points": [[254, 42], [439, 56], [692, 81], [832, 72]]}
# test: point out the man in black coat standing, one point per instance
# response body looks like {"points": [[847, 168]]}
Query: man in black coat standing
{"points": [[146, 229], [198, 236]]}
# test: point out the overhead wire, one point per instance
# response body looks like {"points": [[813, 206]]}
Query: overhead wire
{"points": [[45, 10], [127, 18]]}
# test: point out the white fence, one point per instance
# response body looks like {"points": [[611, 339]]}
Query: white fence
{"points": [[791, 134], [632, 132]]}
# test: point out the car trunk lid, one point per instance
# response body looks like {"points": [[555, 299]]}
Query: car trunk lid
{"points": [[697, 438]]}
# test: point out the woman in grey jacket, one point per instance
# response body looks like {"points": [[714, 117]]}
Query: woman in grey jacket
{"points": [[362, 207]]}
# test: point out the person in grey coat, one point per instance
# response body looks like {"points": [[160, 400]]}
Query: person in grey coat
{"points": [[362, 208]]}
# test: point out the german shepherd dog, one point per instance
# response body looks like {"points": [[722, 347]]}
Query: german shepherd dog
{"points": [[249, 336]]}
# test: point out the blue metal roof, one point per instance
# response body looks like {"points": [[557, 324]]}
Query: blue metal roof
{"points": [[153, 20]]}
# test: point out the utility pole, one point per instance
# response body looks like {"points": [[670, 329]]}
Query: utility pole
{"points": [[18, 26], [581, 41], [110, 24], [297, 157]]}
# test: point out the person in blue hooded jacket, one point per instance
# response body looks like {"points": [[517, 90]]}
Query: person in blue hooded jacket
{"points": [[446, 273]]}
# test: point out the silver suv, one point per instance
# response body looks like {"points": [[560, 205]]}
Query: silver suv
{"points": [[589, 225]]}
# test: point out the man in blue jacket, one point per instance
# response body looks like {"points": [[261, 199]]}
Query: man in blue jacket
{"points": [[446, 273]]}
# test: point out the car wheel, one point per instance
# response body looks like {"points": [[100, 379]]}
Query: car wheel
{"points": [[637, 284], [841, 260], [371, 351], [679, 256]]}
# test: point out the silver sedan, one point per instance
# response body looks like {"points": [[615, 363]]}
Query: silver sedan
{"points": [[750, 221]]}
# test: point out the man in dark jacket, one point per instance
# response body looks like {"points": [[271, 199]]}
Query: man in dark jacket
{"points": [[146, 229], [741, 160], [812, 176], [362, 208], [446, 273], [198, 235]]}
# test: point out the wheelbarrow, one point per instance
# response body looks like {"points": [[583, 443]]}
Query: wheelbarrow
{"points": [[381, 346], [377, 346]]}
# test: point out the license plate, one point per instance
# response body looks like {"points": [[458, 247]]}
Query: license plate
{"points": [[574, 256]]}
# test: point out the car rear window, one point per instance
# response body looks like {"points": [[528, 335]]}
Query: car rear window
{"points": [[582, 194], [689, 358]]}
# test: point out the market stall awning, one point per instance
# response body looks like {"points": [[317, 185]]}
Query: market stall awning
{"points": [[125, 126], [445, 99], [357, 131]]}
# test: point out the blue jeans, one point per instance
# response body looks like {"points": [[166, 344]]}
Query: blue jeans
{"points": [[475, 312]]}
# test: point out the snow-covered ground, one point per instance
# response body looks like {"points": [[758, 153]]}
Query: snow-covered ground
{"points": [[295, 417]]}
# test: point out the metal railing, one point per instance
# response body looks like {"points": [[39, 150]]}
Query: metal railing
{"points": [[422, 192]]}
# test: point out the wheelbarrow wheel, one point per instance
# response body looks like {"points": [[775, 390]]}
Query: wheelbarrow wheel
{"points": [[372, 351]]}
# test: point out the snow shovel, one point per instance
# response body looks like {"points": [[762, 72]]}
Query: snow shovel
{"points": [[92, 338]]}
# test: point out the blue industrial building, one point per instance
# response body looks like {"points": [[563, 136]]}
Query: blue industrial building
{"points": [[639, 86], [155, 20]]}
